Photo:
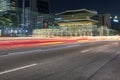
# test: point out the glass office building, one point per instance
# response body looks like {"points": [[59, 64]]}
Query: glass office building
{"points": [[42, 6], [4, 5]]}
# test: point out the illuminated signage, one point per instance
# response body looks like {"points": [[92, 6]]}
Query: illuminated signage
{"points": [[115, 20]]}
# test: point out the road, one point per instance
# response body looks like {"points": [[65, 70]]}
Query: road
{"points": [[75, 61]]}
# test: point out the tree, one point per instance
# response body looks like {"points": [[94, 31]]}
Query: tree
{"points": [[15, 20], [9, 20], [4, 22]]}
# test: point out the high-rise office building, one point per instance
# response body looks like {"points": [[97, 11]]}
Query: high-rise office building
{"points": [[4, 5], [13, 5], [35, 6], [104, 20], [27, 10], [41, 6]]}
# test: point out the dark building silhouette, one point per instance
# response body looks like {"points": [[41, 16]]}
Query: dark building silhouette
{"points": [[13, 5], [29, 10], [41, 6], [104, 20]]}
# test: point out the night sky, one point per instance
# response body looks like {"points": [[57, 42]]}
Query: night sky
{"points": [[102, 6]]}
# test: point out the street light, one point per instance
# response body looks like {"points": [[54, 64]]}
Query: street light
{"points": [[116, 17], [23, 13]]}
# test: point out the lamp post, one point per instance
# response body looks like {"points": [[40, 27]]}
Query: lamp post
{"points": [[23, 16], [23, 13]]}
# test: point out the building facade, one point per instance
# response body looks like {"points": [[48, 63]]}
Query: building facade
{"points": [[4, 5], [77, 22], [104, 20], [104, 23], [42, 6], [13, 5], [80, 22], [30, 10]]}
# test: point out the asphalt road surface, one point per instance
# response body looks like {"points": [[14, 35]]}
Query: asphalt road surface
{"points": [[77, 61]]}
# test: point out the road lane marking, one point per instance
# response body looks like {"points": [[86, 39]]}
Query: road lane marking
{"points": [[24, 52], [84, 51], [106, 45], [16, 69]]}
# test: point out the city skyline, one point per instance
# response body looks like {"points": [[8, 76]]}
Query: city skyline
{"points": [[41, 6], [56, 6]]}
